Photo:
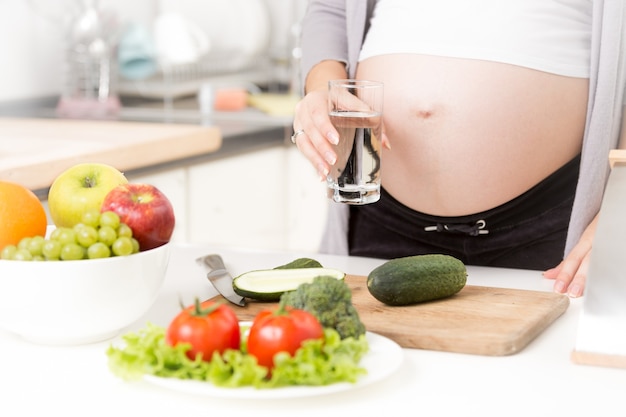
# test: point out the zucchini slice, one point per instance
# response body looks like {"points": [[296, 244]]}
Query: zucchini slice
{"points": [[270, 284]]}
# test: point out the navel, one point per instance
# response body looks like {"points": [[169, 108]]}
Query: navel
{"points": [[424, 114]]}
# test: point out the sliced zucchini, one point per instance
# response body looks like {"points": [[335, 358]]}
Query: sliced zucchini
{"points": [[270, 284]]}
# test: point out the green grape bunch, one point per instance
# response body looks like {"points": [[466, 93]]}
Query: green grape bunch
{"points": [[98, 235]]}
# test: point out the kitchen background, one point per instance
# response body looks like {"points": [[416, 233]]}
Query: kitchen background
{"points": [[272, 198], [32, 33]]}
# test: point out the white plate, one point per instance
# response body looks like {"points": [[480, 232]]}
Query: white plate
{"points": [[383, 358]]}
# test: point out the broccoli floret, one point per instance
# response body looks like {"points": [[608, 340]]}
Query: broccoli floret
{"points": [[330, 300]]}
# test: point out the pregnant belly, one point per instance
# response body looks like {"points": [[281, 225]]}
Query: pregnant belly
{"points": [[469, 135]]}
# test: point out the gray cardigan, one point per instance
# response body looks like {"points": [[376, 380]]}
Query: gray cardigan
{"points": [[335, 29]]}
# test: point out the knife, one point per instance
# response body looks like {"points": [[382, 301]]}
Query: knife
{"points": [[221, 278]]}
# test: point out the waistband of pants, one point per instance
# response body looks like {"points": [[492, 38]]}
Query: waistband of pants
{"points": [[552, 192]]}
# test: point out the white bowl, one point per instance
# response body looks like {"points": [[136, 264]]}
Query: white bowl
{"points": [[77, 302]]}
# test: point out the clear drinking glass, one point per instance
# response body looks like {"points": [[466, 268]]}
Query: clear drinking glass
{"points": [[355, 109]]}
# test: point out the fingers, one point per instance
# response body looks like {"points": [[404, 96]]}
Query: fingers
{"points": [[576, 286], [385, 140], [344, 100], [295, 135], [316, 134], [571, 274], [306, 147]]}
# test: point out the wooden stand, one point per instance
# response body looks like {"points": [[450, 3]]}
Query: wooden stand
{"points": [[599, 359]]}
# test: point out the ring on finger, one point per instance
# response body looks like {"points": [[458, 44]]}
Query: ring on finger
{"points": [[295, 135]]}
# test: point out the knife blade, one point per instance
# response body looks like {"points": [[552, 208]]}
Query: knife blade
{"points": [[221, 279]]}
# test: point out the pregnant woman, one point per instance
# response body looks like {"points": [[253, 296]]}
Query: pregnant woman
{"points": [[498, 120]]}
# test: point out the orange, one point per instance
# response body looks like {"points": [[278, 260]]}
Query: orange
{"points": [[21, 214]]}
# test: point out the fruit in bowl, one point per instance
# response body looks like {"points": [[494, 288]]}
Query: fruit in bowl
{"points": [[80, 188], [97, 214], [77, 302], [21, 214], [87, 277], [145, 209], [97, 235]]}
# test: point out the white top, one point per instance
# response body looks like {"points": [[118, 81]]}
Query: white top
{"points": [[540, 380], [551, 35]]}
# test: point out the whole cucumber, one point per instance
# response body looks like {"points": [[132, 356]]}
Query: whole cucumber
{"points": [[416, 279]]}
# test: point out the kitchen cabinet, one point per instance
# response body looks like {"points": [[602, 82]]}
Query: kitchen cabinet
{"points": [[307, 204], [262, 199], [239, 201]]}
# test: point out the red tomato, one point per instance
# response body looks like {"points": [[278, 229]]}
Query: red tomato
{"points": [[207, 327], [274, 331]]}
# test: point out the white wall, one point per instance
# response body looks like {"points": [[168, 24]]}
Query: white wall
{"points": [[32, 39], [29, 52]]}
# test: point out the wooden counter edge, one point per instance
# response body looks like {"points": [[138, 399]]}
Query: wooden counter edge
{"points": [[200, 140]]}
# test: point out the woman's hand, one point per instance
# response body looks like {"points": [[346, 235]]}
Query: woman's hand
{"points": [[317, 135], [315, 143], [570, 275]]}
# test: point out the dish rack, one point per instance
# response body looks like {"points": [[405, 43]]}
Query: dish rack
{"points": [[182, 80]]}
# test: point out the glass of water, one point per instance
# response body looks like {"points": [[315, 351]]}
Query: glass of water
{"points": [[355, 109]]}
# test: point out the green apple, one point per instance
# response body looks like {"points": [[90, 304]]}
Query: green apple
{"points": [[80, 188]]}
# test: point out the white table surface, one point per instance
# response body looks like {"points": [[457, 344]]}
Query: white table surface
{"points": [[541, 380]]}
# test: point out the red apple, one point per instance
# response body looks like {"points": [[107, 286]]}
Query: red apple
{"points": [[145, 209]]}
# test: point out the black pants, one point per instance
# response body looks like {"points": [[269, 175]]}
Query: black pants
{"points": [[528, 232]]}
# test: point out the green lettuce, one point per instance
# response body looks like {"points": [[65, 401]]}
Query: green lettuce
{"points": [[318, 362]]}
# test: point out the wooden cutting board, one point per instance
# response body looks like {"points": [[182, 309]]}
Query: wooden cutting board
{"points": [[477, 320]]}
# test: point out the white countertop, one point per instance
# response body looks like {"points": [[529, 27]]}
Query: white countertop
{"points": [[540, 380]]}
